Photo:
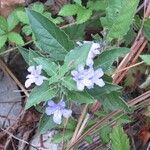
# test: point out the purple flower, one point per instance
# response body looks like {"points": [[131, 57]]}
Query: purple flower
{"points": [[34, 76], [87, 77], [58, 110]]}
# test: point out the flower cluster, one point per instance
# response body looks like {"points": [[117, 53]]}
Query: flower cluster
{"points": [[87, 77], [58, 110], [34, 76]]}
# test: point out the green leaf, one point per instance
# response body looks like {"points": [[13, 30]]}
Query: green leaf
{"points": [[69, 10], [119, 16], [3, 39], [113, 101], [146, 59], [80, 97], [107, 57], [46, 123], [119, 139], [15, 38], [97, 5], [22, 16], [78, 55], [146, 29], [27, 30], [49, 67], [49, 37], [12, 21], [38, 7], [3, 24], [75, 32], [59, 137], [39, 94], [97, 91], [69, 83]]}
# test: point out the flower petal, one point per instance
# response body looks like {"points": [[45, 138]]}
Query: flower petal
{"points": [[39, 81], [74, 73], [87, 82], [80, 86], [31, 69], [28, 82], [57, 117], [80, 68], [39, 69], [61, 104], [50, 110], [51, 103], [100, 82], [66, 113], [98, 73]]}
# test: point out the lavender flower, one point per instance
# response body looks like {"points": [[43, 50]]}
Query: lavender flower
{"points": [[57, 110], [87, 77], [34, 76]]}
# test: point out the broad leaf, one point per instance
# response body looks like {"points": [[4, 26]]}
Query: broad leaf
{"points": [[27, 30], [80, 97], [46, 123], [3, 24], [49, 67], [15, 38], [146, 29], [146, 59], [38, 7], [78, 56], [106, 58], [3, 39], [48, 36], [119, 139], [39, 94]]}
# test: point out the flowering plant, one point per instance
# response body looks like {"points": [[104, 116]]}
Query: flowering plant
{"points": [[67, 73]]}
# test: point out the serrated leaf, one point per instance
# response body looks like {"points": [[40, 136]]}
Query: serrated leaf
{"points": [[106, 58], [12, 21], [146, 59], [113, 101], [48, 36], [3, 24], [46, 123], [77, 56], [75, 32], [146, 29], [119, 139], [38, 7], [3, 39], [69, 10], [27, 30], [39, 94], [15, 38], [49, 67], [119, 16], [80, 97]]}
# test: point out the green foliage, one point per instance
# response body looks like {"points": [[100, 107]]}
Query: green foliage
{"points": [[146, 59], [49, 37], [146, 29], [119, 139], [107, 57], [46, 123], [119, 16], [39, 94]]}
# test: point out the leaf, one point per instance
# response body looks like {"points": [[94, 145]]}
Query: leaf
{"points": [[49, 37], [3, 39], [146, 29], [119, 139], [80, 97], [59, 137], [113, 101], [97, 5], [39, 94], [46, 123], [146, 59], [38, 7], [49, 67], [97, 92], [15, 38], [106, 58], [77, 56], [75, 32], [27, 30], [3, 24], [12, 21], [119, 16], [69, 10]]}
